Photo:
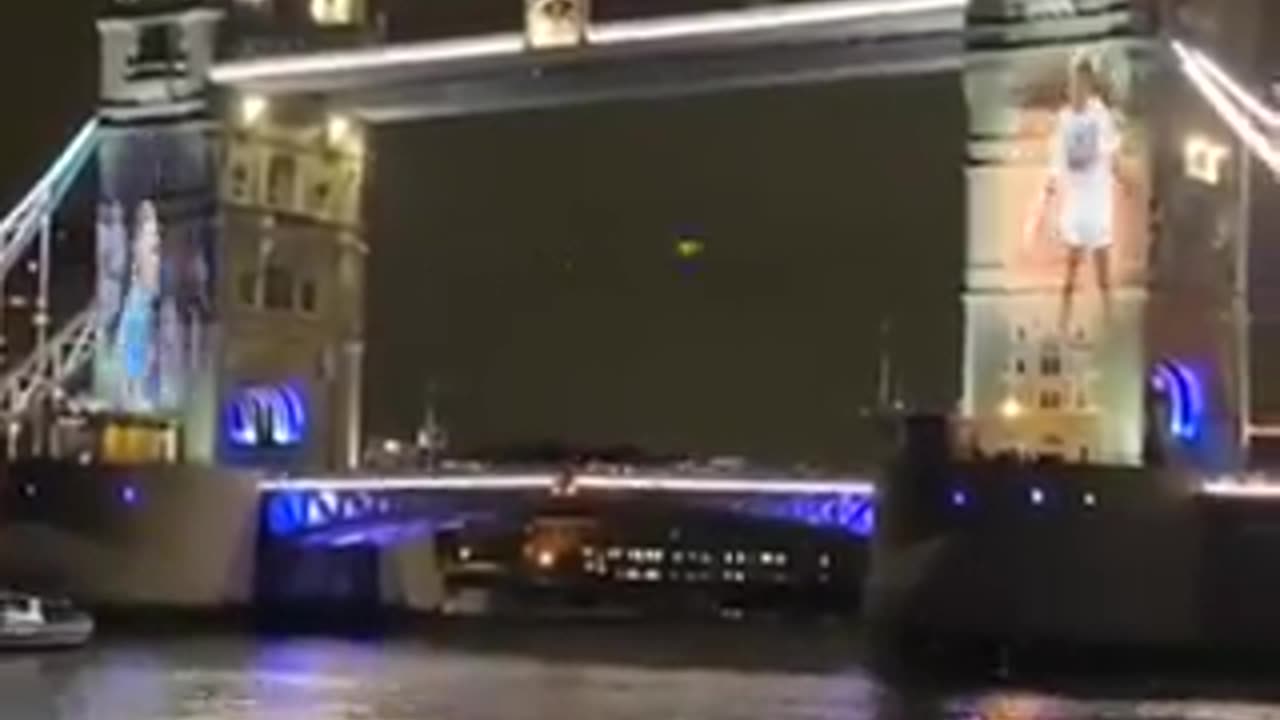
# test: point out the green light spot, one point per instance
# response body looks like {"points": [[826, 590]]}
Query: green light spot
{"points": [[689, 248]]}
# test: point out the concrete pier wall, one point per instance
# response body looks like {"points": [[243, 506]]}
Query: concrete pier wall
{"points": [[184, 538]]}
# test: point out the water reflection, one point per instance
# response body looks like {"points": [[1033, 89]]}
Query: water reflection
{"points": [[523, 673]]}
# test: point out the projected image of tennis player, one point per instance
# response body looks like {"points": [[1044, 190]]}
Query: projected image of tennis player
{"points": [[1076, 206]]}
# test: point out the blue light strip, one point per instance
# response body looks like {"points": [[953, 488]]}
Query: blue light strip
{"points": [[1185, 393], [1193, 400]]}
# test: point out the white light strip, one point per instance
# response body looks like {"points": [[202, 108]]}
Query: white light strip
{"points": [[629, 32], [724, 485], [443, 482], [780, 17], [1259, 109], [73, 152], [762, 486], [1230, 114], [443, 51], [1246, 492], [1269, 432]]}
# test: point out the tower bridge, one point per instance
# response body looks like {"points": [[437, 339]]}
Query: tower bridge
{"points": [[226, 329]]}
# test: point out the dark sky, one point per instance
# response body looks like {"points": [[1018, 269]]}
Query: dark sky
{"points": [[526, 263]]}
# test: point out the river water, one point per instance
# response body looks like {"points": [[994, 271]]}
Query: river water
{"points": [[570, 673]]}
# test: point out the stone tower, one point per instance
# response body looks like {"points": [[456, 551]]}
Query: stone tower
{"points": [[1058, 176], [232, 237], [157, 237], [1086, 146]]}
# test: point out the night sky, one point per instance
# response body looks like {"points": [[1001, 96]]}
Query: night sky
{"points": [[529, 267]]}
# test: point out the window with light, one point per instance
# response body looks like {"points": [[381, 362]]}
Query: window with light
{"points": [[334, 12]]}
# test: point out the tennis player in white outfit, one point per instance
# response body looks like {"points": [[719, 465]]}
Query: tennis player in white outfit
{"points": [[1083, 170]]}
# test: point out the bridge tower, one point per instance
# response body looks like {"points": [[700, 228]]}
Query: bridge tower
{"points": [[1099, 328], [231, 247], [156, 349]]}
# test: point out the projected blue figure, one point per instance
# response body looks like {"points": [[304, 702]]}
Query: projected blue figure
{"points": [[172, 360], [113, 260], [134, 338]]}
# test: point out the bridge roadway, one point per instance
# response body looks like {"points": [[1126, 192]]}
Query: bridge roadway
{"points": [[343, 511], [631, 59]]}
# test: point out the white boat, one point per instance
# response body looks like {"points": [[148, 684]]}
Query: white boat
{"points": [[30, 622]]}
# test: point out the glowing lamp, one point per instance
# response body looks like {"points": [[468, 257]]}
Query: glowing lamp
{"points": [[689, 248], [1011, 409], [1037, 496], [1090, 500], [252, 108], [959, 498], [338, 129]]}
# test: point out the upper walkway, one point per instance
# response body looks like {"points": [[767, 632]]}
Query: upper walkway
{"points": [[648, 58]]}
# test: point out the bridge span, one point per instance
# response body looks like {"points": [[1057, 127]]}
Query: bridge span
{"points": [[629, 59], [344, 511]]}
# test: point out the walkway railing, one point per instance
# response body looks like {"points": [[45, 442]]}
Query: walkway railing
{"points": [[47, 371], [54, 360]]}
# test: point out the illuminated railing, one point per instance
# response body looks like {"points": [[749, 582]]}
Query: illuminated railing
{"points": [[551, 481], [47, 369], [1235, 106], [347, 509], [29, 217], [495, 482]]}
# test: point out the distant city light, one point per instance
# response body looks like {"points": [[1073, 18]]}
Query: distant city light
{"points": [[1090, 500], [546, 559], [1037, 496], [689, 248]]}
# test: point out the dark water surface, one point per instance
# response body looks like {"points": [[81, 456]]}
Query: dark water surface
{"points": [[592, 673]]}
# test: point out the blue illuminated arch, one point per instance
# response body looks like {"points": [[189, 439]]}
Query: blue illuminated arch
{"points": [[266, 416], [1184, 391]]}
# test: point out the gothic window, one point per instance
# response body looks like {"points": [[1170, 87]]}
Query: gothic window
{"points": [[158, 52], [278, 288], [307, 295], [1051, 364], [282, 173], [247, 288], [1050, 400]]}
